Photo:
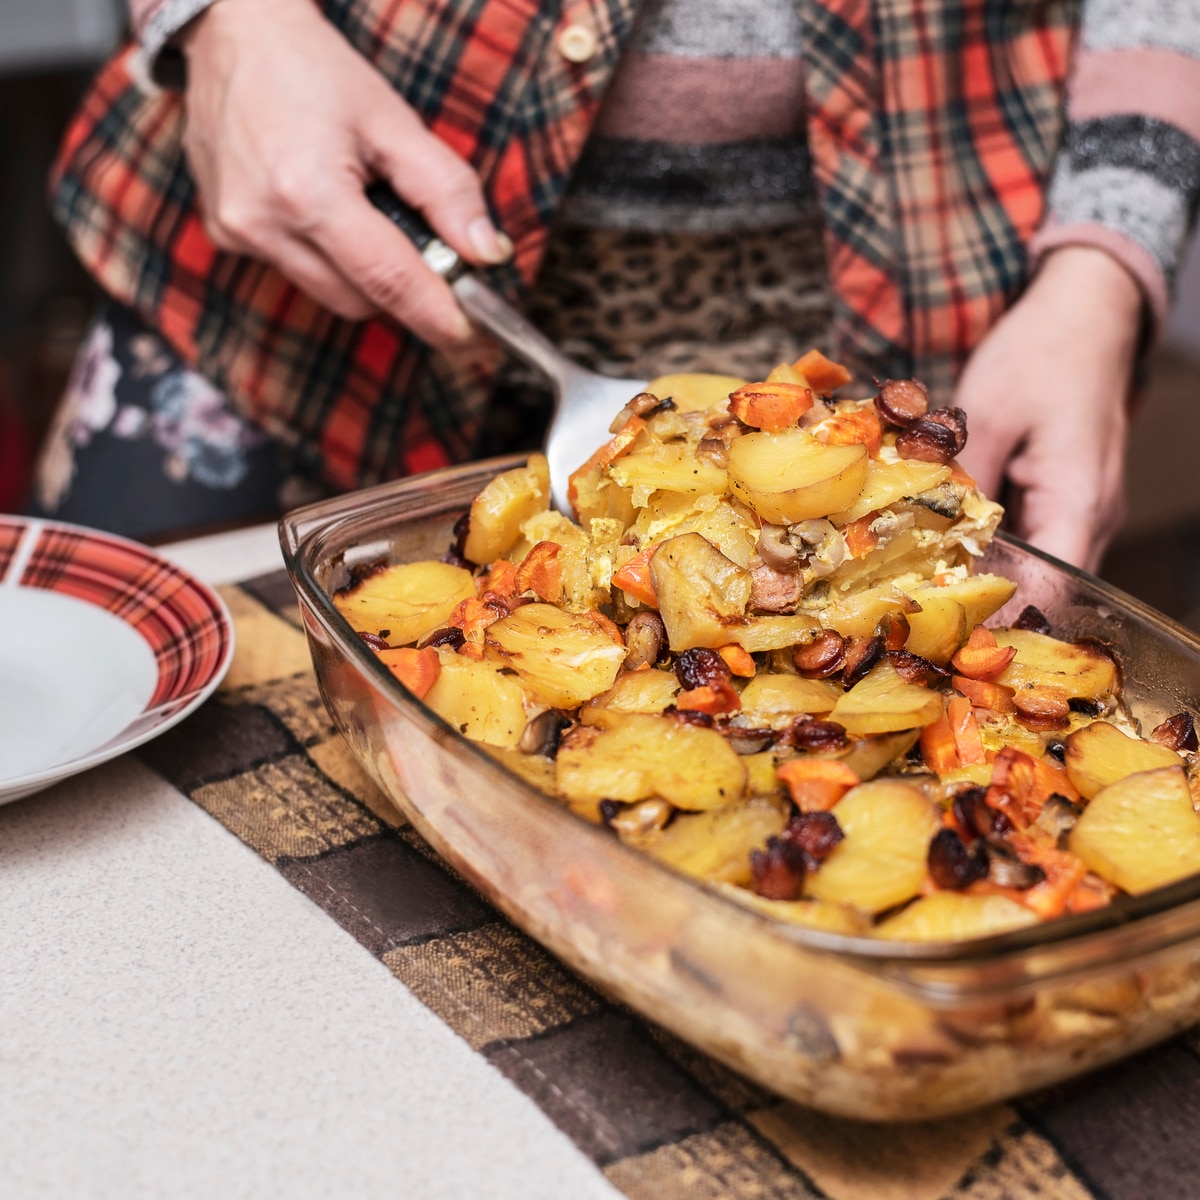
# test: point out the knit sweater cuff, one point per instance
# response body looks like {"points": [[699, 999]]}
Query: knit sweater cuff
{"points": [[1132, 255], [1127, 177]]}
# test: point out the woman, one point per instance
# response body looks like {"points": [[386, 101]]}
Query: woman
{"points": [[969, 236]]}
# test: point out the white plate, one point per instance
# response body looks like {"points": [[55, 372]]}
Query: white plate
{"points": [[103, 645]]}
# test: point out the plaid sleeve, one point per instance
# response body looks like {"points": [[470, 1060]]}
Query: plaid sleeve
{"points": [[1127, 178], [357, 402]]}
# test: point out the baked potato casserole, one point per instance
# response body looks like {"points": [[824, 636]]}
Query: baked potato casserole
{"points": [[759, 654]]}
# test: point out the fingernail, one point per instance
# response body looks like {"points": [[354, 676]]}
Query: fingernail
{"points": [[489, 243], [463, 331]]}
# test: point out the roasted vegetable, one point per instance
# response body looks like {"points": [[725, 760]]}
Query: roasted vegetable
{"points": [[1140, 832], [760, 656], [402, 604]]}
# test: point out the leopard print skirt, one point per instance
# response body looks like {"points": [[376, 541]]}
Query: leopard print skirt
{"points": [[638, 304]]}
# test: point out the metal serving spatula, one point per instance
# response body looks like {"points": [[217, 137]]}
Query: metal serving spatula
{"points": [[584, 403]]}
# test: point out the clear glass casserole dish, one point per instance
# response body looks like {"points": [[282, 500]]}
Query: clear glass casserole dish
{"points": [[855, 1026]]}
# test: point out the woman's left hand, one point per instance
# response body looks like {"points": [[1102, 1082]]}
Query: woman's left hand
{"points": [[1046, 396]]}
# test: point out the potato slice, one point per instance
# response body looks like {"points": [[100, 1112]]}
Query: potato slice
{"points": [[789, 476], [857, 613], [867, 756], [633, 692], [937, 631], [952, 917], [774, 700], [729, 525], [694, 390], [504, 505], [536, 770], [812, 914], [949, 611], [774, 633], [884, 702], [408, 601], [1100, 754], [565, 658], [479, 702], [715, 846], [980, 595], [881, 861], [674, 468], [585, 562], [1080, 669], [888, 482], [642, 756], [761, 779], [702, 595], [1141, 832]]}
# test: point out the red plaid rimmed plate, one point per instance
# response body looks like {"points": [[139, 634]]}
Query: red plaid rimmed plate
{"points": [[103, 645]]}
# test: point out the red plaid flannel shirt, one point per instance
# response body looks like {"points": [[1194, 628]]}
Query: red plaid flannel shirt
{"points": [[932, 127]]}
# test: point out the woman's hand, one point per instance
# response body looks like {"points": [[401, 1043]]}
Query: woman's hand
{"points": [[1046, 398], [286, 124]]}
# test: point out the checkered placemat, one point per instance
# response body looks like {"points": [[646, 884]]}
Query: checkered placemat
{"points": [[661, 1120]]}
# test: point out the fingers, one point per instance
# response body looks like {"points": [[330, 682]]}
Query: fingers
{"points": [[316, 276], [243, 227], [1076, 532], [991, 442], [282, 145], [435, 180], [317, 228], [1072, 505], [984, 460], [1057, 530], [386, 269]]}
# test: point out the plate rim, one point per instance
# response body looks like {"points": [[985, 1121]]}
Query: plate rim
{"points": [[17, 786]]}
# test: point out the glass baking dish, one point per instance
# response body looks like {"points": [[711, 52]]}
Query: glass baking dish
{"points": [[857, 1027]]}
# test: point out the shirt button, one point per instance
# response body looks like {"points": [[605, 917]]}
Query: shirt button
{"points": [[576, 43]]}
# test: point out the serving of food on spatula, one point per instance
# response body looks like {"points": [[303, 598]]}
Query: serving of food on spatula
{"points": [[759, 654]]}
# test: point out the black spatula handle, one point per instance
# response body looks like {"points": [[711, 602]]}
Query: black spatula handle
{"points": [[438, 256]]}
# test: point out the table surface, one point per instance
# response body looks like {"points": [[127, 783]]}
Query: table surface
{"points": [[179, 1019], [207, 1053]]}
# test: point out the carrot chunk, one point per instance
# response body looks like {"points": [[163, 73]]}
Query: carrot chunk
{"points": [[1064, 872], [860, 539], [770, 406], [619, 444], [474, 616], [821, 373], [634, 577], [712, 698], [862, 427], [1090, 893], [499, 582], [1021, 784], [965, 731], [418, 670], [816, 784], [739, 661], [985, 694], [540, 572], [979, 657], [938, 747]]}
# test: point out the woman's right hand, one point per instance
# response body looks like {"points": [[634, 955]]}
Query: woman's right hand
{"points": [[286, 125]]}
